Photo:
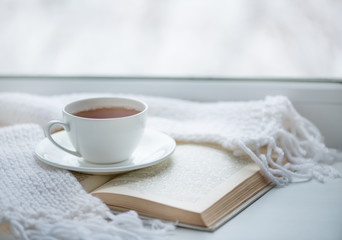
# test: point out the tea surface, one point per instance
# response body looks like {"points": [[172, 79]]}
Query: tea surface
{"points": [[112, 112]]}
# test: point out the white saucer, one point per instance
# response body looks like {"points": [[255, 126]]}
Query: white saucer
{"points": [[154, 148]]}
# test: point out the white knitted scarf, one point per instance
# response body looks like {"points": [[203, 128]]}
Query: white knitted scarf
{"points": [[42, 202]]}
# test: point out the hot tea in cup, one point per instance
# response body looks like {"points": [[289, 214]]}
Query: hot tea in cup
{"points": [[102, 130]]}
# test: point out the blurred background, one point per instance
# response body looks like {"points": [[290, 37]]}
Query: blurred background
{"points": [[216, 38]]}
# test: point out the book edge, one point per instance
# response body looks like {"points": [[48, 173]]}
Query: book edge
{"points": [[222, 221]]}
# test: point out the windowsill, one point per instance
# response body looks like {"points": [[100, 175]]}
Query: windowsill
{"points": [[308, 210]]}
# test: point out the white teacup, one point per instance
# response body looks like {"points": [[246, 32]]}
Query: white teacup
{"points": [[102, 130]]}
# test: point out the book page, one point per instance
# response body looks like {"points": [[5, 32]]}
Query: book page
{"points": [[90, 182], [191, 174]]}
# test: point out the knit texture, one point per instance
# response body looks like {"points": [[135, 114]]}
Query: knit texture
{"points": [[39, 201], [42, 202]]}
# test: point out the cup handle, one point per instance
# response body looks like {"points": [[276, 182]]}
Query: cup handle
{"points": [[48, 134]]}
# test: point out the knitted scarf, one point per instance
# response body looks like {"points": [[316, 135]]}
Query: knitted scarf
{"points": [[42, 202]]}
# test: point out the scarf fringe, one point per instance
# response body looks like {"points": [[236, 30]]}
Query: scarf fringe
{"points": [[294, 152], [122, 226]]}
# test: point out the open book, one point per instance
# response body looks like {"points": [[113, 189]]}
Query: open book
{"points": [[199, 186]]}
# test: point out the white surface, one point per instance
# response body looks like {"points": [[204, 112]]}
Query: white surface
{"points": [[309, 210], [305, 211], [153, 148]]}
